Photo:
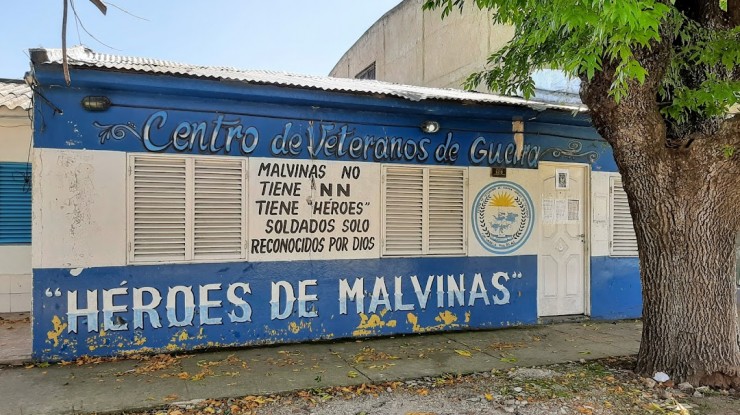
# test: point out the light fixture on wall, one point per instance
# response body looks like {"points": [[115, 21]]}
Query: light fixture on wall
{"points": [[96, 103], [429, 127]]}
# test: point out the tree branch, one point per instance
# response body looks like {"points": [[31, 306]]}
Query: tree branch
{"points": [[639, 106]]}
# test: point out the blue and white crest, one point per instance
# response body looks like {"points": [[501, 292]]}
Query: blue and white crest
{"points": [[503, 217]]}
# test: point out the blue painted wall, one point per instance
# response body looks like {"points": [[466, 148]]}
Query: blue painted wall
{"points": [[616, 291], [140, 121], [502, 295], [147, 113]]}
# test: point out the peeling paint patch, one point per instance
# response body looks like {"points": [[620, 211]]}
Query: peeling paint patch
{"points": [[446, 318], [139, 340], [296, 328], [57, 331], [371, 324]]}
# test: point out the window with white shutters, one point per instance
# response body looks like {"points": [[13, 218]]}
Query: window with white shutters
{"points": [[184, 208], [622, 239], [424, 211]]}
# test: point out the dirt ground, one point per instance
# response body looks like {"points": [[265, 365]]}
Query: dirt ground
{"points": [[606, 386]]}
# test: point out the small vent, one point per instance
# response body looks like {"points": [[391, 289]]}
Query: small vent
{"points": [[621, 230]]}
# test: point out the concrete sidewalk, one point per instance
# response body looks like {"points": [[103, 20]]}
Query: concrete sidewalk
{"points": [[15, 338], [140, 384]]}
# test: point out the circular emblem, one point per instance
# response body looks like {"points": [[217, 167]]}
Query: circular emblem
{"points": [[503, 217]]}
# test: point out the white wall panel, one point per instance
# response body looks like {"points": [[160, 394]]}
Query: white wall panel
{"points": [[528, 179], [289, 198], [79, 214], [600, 212], [15, 135], [15, 260]]}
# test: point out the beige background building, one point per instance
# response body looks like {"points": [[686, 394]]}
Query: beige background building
{"points": [[15, 145], [411, 46]]}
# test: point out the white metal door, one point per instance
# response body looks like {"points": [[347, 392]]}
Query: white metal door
{"points": [[562, 259]]}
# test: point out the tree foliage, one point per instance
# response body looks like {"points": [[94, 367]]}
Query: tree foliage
{"points": [[583, 37]]}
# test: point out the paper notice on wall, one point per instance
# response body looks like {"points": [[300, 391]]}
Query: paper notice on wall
{"points": [[561, 210], [574, 210], [548, 210]]}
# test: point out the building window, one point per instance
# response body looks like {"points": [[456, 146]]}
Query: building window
{"points": [[622, 239], [15, 203], [367, 73], [185, 208], [424, 211]]}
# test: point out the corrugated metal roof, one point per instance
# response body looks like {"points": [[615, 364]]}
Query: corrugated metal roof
{"points": [[83, 57], [14, 94]]}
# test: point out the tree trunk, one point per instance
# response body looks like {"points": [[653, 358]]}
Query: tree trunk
{"points": [[687, 268], [683, 203]]}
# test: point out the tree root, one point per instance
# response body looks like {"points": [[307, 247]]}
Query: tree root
{"points": [[720, 380]]}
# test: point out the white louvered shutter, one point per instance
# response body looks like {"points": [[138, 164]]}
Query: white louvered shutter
{"points": [[622, 239], [424, 211], [447, 211], [403, 196], [218, 208], [160, 224]]}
